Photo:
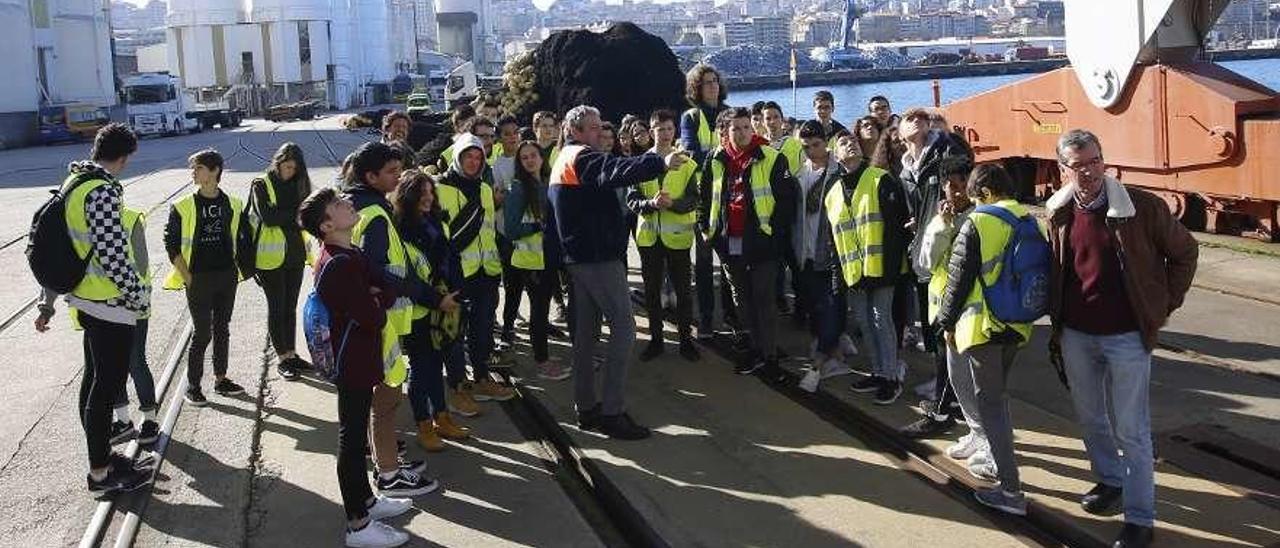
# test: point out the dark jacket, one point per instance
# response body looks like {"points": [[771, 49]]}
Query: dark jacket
{"points": [[756, 245], [429, 237], [1158, 255], [587, 220], [924, 189], [375, 241], [963, 269], [284, 214], [689, 130], [355, 316], [514, 208]]}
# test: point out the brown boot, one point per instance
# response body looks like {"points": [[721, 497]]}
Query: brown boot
{"points": [[428, 438], [449, 429]]}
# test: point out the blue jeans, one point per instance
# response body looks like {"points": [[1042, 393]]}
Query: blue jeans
{"points": [[873, 307], [1115, 370], [140, 372], [480, 316], [827, 308], [427, 370]]}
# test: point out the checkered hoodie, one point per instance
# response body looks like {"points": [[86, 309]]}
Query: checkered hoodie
{"points": [[110, 244]]}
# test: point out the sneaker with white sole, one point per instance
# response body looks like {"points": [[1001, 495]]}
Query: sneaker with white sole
{"points": [[1010, 503], [122, 431], [835, 368], [984, 470], [375, 534], [809, 383], [965, 447], [406, 483], [387, 507]]}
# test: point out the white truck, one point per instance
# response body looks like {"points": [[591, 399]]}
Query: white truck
{"points": [[157, 104]]}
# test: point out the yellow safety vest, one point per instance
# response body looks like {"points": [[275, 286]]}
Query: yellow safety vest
{"points": [[857, 227], [791, 149], [270, 239], [446, 156], [395, 367], [96, 285], [483, 250], [759, 171], [674, 229], [977, 324], [526, 252], [707, 137], [495, 153], [134, 221], [186, 209]]}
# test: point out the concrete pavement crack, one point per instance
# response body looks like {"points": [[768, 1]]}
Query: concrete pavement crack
{"points": [[8, 461]]}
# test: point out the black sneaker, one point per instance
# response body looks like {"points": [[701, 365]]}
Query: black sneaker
{"points": [[748, 366], [416, 466], [688, 351], [402, 449], [226, 387], [1102, 500], [195, 396], [508, 336], [622, 427], [300, 364], [589, 419], [653, 350], [928, 427], [1133, 535], [406, 484], [120, 479], [866, 384], [555, 332], [287, 371], [144, 461], [148, 433], [771, 373], [122, 431], [888, 392]]}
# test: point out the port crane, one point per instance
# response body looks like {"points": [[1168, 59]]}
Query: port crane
{"points": [[1195, 133]]}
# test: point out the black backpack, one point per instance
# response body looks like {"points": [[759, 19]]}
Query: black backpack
{"points": [[50, 254]]}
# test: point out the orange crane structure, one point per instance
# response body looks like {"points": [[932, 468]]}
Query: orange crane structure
{"points": [[1202, 137]]}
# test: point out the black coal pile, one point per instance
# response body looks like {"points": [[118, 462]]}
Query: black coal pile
{"points": [[623, 70]]}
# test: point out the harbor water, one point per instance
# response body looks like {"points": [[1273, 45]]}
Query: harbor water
{"points": [[851, 99]]}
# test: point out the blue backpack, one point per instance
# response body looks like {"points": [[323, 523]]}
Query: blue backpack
{"points": [[315, 326], [1021, 293]]}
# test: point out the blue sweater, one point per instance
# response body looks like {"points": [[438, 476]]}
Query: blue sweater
{"points": [[586, 217]]}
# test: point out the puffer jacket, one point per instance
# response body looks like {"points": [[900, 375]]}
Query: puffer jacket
{"points": [[1157, 254], [924, 190]]}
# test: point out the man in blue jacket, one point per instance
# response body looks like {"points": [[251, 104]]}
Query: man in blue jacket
{"points": [[593, 240]]}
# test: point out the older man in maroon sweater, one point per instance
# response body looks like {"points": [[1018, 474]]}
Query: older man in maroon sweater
{"points": [[1122, 265]]}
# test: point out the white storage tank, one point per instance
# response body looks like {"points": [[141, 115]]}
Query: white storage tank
{"points": [[460, 27], [374, 51], [289, 10], [190, 13], [19, 54]]}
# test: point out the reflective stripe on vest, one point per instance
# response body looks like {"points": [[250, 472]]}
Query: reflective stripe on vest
{"points": [[135, 223], [269, 239], [674, 229], [759, 171], [791, 149], [395, 367], [422, 268], [857, 227], [562, 171], [977, 324], [483, 250], [96, 285], [401, 314], [526, 252], [707, 139], [186, 209]]}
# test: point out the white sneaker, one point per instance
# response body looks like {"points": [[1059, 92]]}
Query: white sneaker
{"points": [[835, 368], [982, 455], [925, 389], [985, 470], [376, 535], [965, 447], [847, 346], [810, 381], [386, 507]]}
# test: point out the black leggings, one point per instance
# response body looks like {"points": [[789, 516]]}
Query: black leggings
{"points": [[211, 298], [281, 287], [353, 435], [540, 285], [107, 347]]}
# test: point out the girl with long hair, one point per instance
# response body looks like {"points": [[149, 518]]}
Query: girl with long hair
{"points": [[535, 259], [281, 251]]}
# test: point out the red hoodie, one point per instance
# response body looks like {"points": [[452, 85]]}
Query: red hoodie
{"points": [[737, 161]]}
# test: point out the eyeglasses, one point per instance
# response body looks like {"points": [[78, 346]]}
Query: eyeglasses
{"points": [[1086, 164]]}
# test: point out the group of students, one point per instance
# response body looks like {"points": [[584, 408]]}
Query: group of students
{"points": [[414, 246]]}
